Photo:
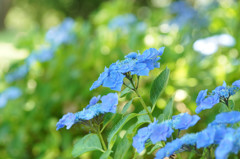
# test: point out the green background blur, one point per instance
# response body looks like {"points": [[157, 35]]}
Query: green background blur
{"points": [[61, 85]]}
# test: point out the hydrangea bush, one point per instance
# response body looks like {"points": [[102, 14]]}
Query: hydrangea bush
{"points": [[157, 134]]}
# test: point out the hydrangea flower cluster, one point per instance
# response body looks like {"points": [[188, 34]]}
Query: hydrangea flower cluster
{"points": [[220, 94], [135, 64], [125, 23], [227, 139], [160, 132], [9, 94], [108, 104], [62, 34]]}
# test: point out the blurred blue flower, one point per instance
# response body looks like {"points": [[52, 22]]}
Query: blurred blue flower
{"points": [[19, 73], [93, 109], [9, 94], [185, 14], [139, 64], [227, 118], [184, 121], [44, 54], [206, 137], [61, 34], [125, 23], [210, 45]]}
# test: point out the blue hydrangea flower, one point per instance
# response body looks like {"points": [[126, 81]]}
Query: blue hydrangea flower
{"points": [[184, 121], [219, 94], [136, 64], [93, 109], [68, 120], [236, 83], [206, 137], [169, 149], [208, 103], [202, 94], [61, 34], [140, 139], [172, 147], [227, 118], [226, 145], [155, 132], [160, 132], [9, 94]]}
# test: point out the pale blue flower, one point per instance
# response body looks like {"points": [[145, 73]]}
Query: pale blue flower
{"points": [[10, 93], [184, 121], [61, 34], [19, 73], [126, 23]]}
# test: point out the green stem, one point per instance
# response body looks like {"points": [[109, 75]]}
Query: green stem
{"points": [[144, 106], [107, 123], [101, 139]]}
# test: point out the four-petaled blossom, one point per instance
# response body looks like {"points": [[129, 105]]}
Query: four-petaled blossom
{"points": [[135, 64], [9, 94], [61, 34], [108, 104], [184, 121]]}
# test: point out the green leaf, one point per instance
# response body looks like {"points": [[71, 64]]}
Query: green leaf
{"points": [[106, 155], [89, 142], [122, 148], [231, 104], [155, 147], [142, 119], [167, 112], [223, 108], [126, 106], [118, 127], [159, 85], [125, 92]]}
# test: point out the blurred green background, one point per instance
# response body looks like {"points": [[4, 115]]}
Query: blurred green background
{"points": [[61, 85]]}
